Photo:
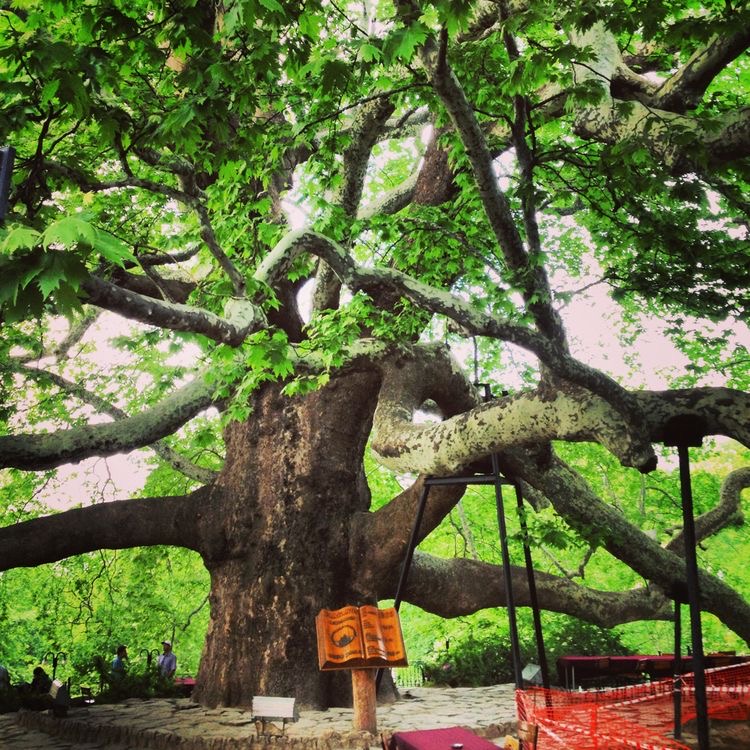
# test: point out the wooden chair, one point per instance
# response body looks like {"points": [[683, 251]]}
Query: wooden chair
{"points": [[528, 734]]}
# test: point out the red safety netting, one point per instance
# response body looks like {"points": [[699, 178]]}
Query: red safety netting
{"points": [[636, 716]]}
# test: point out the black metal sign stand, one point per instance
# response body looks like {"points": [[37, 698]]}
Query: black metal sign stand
{"points": [[496, 479], [677, 670], [683, 432]]}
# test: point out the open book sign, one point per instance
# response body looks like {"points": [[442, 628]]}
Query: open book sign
{"points": [[356, 637]]}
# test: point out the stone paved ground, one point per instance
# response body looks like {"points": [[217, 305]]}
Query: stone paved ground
{"points": [[179, 723]]}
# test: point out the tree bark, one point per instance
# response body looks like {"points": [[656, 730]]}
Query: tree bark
{"points": [[293, 478]]}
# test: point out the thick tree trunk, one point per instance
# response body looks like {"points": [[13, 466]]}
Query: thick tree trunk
{"points": [[292, 482]]}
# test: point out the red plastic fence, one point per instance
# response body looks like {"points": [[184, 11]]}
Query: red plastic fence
{"points": [[636, 716]]}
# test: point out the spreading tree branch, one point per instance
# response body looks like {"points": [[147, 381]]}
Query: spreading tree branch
{"points": [[662, 132], [530, 277], [727, 511], [685, 88], [451, 588], [172, 457], [115, 525], [603, 525], [175, 316], [34, 452]]}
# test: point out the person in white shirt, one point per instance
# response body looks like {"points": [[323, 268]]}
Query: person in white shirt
{"points": [[167, 661]]}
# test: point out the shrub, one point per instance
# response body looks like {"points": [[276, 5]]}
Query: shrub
{"points": [[567, 635], [485, 659], [473, 662]]}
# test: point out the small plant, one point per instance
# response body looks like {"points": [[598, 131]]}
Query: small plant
{"points": [[473, 662]]}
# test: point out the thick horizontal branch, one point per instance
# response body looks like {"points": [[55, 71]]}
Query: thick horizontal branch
{"points": [[149, 284], [565, 412], [604, 525], [171, 315], [115, 525], [47, 450], [528, 418], [456, 587], [664, 134], [103, 406], [720, 411]]}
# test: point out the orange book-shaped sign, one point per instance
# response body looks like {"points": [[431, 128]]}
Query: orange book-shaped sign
{"points": [[356, 637]]}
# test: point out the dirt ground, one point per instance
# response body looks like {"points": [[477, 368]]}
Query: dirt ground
{"points": [[723, 735]]}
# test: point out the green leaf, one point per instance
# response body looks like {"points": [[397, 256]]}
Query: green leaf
{"points": [[335, 75], [273, 5], [19, 238], [68, 232], [113, 249], [67, 299], [370, 53], [49, 91], [49, 280], [410, 40]]}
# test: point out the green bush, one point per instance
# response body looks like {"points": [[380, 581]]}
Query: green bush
{"points": [[473, 662], [479, 660], [148, 684], [565, 636]]}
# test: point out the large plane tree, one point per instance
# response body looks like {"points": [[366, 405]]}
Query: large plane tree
{"points": [[304, 209]]}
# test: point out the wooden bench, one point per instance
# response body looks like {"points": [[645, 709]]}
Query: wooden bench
{"points": [[272, 708]]}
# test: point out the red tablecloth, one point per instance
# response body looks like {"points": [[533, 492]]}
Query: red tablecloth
{"points": [[185, 684], [572, 669], [456, 738]]}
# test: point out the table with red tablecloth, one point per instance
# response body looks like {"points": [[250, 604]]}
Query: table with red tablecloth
{"points": [[572, 670], [185, 685], [450, 738]]}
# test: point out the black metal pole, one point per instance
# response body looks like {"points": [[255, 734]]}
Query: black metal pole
{"points": [[677, 676], [538, 635], [412, 546], [691, 569], [406, 564], [7, 156], [507, 578]]}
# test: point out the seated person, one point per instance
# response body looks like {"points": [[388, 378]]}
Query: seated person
{"points": [[41, 682]]}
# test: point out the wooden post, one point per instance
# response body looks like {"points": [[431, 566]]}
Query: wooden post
{"points": [[363, 693]]}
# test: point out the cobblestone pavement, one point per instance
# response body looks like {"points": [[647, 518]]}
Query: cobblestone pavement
{"points": [[179, 723]]}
